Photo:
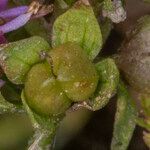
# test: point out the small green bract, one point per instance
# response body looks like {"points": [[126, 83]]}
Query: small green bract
{"points": [[16, 58], [78, 25]]}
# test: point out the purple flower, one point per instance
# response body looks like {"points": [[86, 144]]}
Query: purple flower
{"points": [[13, 12], [9, 17], [17, 17], [3, 4]]}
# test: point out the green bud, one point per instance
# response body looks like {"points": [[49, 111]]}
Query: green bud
{"points": [[75, 72], [43, 92], [78, 25], [134, 58], [16, 58]]}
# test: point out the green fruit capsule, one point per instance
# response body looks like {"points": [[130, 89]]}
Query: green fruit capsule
{"points": [[75, 72], [16, 58], [78, 25], [43, 92]]}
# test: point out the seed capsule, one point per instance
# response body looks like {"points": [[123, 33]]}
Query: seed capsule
{"points": [[75, 72], [43, 92]]}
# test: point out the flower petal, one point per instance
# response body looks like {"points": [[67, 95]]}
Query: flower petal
{"points": [[3, 4], [14, 12], [16, 23]]}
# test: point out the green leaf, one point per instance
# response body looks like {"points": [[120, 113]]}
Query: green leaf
{"points": [[125, 119], [78, 25], [108, 81], [16, 58]]}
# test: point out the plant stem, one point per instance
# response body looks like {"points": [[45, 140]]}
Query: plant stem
{"points": [[42, 139]]}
